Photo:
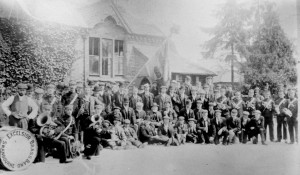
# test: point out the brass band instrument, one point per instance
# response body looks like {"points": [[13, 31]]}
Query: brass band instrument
{"points": [[82, 107], [267, 105], [46, 124], [96, 120], [287, 112]]}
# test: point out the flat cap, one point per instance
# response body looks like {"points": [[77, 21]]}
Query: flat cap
{"points": [[191, 119], [69, 107], [257, 112], [127, 121], [154, 105], [39, 91], [246, 113], [218, 111], [22, 86], [166, 117], [180, 118], [51, 86]]}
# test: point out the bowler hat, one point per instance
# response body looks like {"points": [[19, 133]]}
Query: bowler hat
{"points": [[97, 89], [218, 111], [127, 121], [181, 118], [246, 113], [39, 91]]}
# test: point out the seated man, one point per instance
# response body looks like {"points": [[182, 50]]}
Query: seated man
{"points": [[139, 112], [233, 126], [180, 130], [192, 134], [155, 115], [118, 138], [257, 127], [245, 127], [70, 134], [219, 128], [166, 132], [170, 112], [148, 134], [92, 136], [131, 135], [204, 128], [45, 137]]}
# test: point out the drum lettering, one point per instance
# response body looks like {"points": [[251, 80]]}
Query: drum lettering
{"points": [[27, 136], [4, 160], [23, 163]]}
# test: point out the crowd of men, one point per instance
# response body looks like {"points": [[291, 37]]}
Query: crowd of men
{"points": [[118, 117]]}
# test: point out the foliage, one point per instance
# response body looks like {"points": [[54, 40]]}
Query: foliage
{"points": [[36, 52], [270, 58], [230, 33]]}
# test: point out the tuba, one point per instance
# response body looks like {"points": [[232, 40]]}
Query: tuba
{"points": [[46, 124], [96, 121]]}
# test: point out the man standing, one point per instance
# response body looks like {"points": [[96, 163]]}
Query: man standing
{"points": [[188, 86], [250, 104], [134, 98], [194, 97], [267, 110], [71, 98], [147, 98], [280, 104], [238, 103], [293, 119], [162, 98], [16, 107], [50, 98]]}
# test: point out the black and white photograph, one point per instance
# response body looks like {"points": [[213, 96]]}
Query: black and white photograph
{"points": [[149, 87]]}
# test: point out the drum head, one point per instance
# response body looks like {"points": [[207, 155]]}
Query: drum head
{"points": [[18, 149]]}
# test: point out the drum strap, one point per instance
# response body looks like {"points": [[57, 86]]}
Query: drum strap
{"points": [[71, 121], [291, 102], [73, 100], [283, 100]]}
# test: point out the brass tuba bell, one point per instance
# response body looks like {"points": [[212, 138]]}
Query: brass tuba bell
{"points": [[45, 122]]}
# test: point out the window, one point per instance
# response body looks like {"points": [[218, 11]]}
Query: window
{"points": [[197, 79], [94, 56], [105, 56], [118, 57]]}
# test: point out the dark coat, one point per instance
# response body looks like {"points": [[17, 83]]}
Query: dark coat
{"points": [[130, 114], [217, 126], [186, 115], [147, 101], [133, 100]]}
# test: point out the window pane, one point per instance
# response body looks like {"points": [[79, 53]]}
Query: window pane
{"points": [[107, 50], [94, 65], [94, 46]]}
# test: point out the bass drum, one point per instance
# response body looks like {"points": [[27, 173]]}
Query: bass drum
{"points": [[18, 148]]}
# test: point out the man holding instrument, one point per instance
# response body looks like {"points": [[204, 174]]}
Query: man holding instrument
{"points": [[45, 134], [16, 107]]}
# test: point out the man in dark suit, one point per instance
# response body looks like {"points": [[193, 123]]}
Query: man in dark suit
{"points": [[205, 129], [71, 98], [175, 99], [293, 118], [245, 127], [198, 110], [194, 97], [187, 112], [280, 104], [205, 101], [182, 98], [118, 97], [237, 103], [188, 86], [257, 127], [267, 110], [219, 128], [134, 98], [162, 98], [211, 110], [103, 95], [128, 113], [166, 132], [147, 98], [233, 126], [168, 111]]}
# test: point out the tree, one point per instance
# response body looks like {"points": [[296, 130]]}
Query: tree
{"points": [[230, 33], [270, 58]]}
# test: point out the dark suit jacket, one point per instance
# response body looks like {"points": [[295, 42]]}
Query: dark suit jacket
{"points": [[245, 126], [186, 115], [117, 99], [194, 101], [182, 101], [234, 124], [197, 113], [162, 131], [161, 101], [140, 114], [155, 117], [147, 101], [146, 132], [133, 100], [257, 124], [130, 114], [217, 126], [201, 125]]}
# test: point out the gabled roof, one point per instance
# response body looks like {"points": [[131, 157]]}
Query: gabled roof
{"points": [[97, 12]]}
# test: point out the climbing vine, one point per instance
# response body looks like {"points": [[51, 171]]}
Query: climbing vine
{"points": [[36, 52]]}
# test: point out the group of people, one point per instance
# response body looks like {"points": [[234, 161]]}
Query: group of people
{"points": [[69, 120]]}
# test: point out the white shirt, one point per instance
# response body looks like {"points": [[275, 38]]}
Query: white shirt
{"points": [[31, 103]]}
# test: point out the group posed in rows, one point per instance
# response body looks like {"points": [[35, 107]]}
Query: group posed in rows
{"points": [[68, 120]]}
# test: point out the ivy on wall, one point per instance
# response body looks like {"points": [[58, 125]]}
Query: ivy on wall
{"points": [[36, 52]]}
